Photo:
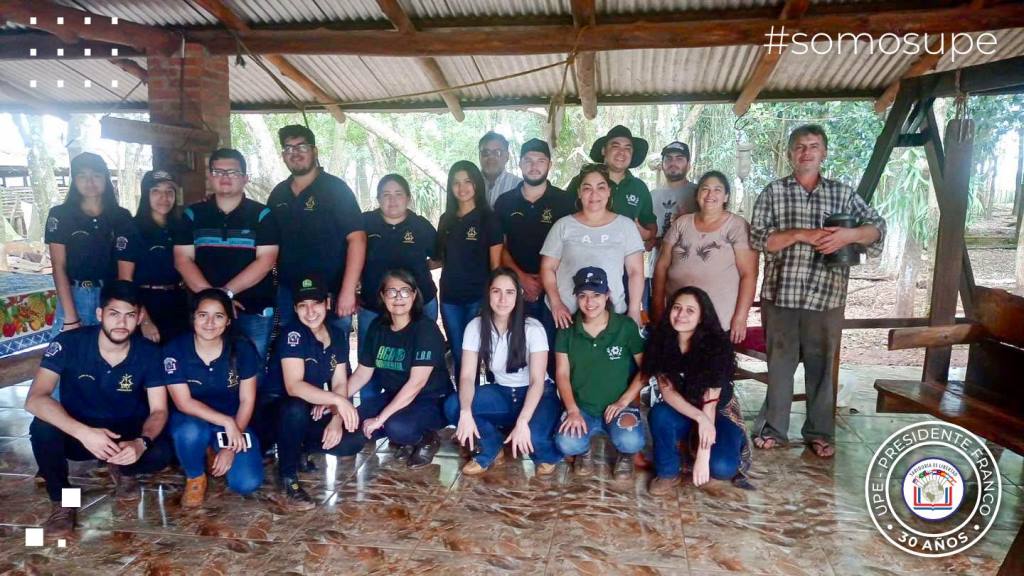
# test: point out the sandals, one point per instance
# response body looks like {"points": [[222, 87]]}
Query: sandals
{"points": [[766, 442], [822, 448]]}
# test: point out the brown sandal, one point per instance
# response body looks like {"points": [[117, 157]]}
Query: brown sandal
{"points": [[766, 442], [822, 449]]}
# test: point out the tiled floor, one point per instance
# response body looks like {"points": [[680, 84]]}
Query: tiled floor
{"points": [[807, 516]]}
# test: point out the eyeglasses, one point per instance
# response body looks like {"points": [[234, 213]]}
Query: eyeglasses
{"points": [[396, 293], [296, 148], [489, 153], [233, 174]]}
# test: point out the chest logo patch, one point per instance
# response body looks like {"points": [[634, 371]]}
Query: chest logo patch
{"points": [[334, 362], [632, 199], [170, 365], [546, 216], [232, 379], [122, 243], [614, 352], [53, 349], [311, 204], [52, 223], [423, 356], [471, 233], [293, 339], [126, 384], [408, 238]]}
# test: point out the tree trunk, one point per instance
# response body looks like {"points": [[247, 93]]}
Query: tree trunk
{"points": [[267, 169], [685, 133], [405, 146], [1018, 195], [40, 170], [906, 283], [77, 134]]}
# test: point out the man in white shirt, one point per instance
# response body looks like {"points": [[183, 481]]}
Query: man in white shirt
{"points": [[493, 148], [677, 197]]}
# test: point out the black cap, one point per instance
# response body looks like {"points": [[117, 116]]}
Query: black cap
{"points": [[678, 147], [590, 278], [535, 145], [309, 287], [88, 160], [640, 146], [154, 177]]}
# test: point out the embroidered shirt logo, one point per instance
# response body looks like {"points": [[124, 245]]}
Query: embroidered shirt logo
{"points": [[408, 238], [614, 352], [311, 203], [122, 243], [52, 223], [53, 349], [170, 365], [471, 233], [633, 199], [293, 339], [126, 384], [546, 216], [423, 355], [232, 379]]}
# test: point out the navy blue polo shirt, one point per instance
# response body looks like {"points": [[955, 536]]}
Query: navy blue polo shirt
{"points": [[393, 354], [407, 244], [314, 226], [297, 341], [526, 224], [215, 384], [93, 244], [154, 254], [467, 259], [93, 391], [226, 243]]}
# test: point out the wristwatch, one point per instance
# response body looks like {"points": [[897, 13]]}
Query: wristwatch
{"points": [[229, 292], [146, 441]]}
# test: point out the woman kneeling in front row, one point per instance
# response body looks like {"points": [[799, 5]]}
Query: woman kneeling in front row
{"points": [[514, 349], [211, 376], [693, 361], [403, 359]]}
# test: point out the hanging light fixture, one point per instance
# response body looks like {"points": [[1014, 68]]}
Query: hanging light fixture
{"points": [[743, 158]]}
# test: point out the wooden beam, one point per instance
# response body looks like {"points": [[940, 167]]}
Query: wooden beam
{"points": [[767, 60], [17, 46], [923, 64], [638, 34], [229, 18], [159, 135], [132, 67], [884, 144], [930, 336], [400, 20], [584, 14], [149, 39]]}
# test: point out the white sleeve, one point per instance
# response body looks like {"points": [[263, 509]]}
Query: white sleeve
{"points": [[471, 337], [634, 243], [553, 241], [536, 337]]}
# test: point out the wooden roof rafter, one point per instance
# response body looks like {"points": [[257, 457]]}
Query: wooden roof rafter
{"points": [[768, 59]]}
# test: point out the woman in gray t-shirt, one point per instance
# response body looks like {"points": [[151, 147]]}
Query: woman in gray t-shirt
{"points": [[593, 236]]}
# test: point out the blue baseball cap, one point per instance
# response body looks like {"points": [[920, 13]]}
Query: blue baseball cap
{"points": [[590, 278]]}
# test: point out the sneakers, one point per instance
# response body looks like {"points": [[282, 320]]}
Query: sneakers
{"points": [[473, 468], [623, 469], [195, 492], [583, 465], [423, 453], [663, 486], [295, 496], [546, 469], [125, 487], [61, 521]]}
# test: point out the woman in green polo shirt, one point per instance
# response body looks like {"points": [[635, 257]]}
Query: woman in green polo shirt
{"points": [[596, 362]]}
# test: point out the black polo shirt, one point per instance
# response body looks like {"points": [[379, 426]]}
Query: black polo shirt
{"points": [[314, 226], [226, 243], [407, 245], [93, 391], [93, 244], [298, 341], [525, 224], [215, 384], [467, 265], [393, 355], [154, 254]]}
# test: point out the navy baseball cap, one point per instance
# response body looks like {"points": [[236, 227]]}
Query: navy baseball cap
{"points": [[590, 278], [677, 146], [309, 287], [535, 145], [154, 177]]}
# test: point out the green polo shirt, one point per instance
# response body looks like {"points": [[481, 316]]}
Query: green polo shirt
{"points": [[631, 198], [600, 368]]}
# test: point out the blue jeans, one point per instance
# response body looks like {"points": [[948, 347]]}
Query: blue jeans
{"points": [[192, 436], [257, 328], [424, 415], [627, 440], [455, 318], [286, 312], [495, 410], [669, 427], [87, 300], [363, 320]]}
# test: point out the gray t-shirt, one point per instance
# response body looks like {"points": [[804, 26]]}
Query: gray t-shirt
{"points": [[577, 245], [669, 203]]}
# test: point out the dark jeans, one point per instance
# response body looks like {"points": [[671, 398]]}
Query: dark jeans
{"points": [[53, 448], [192, 436], [168, 309], [455, 318], [669, 427], [266, 418], [425, 414], [298, 433], [495, 410], [541, 312]]}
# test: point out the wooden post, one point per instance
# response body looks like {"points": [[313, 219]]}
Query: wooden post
{"points": [[883, 146], [952, 190]]}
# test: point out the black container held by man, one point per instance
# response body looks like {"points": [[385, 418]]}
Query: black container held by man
{"points": [[848, 255]]}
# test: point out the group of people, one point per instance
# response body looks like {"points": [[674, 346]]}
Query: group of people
{"points": [[240, 312]]}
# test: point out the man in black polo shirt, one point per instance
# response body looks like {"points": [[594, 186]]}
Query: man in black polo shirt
{"points": [[112, 406], [321, 228], [230, 242], [527, 213]]}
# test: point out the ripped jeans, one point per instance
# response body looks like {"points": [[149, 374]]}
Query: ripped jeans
{"points": [[626, 434]]}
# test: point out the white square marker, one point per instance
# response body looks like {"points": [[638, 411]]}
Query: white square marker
{"points": [[33, 537], [70, 497], [87, 51], [60, 83], [87, 83], [62, 543], [32, 51], [32, 83], [113, 21], [60, 20], [114, 83], [32, 20], [60, 52], [113, 51], [88, 20]]}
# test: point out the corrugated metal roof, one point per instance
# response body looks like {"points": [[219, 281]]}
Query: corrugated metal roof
{"points": [[475, 8], [50, 74]]}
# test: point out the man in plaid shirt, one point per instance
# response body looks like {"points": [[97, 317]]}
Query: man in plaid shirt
{"points": [[802, 299]]}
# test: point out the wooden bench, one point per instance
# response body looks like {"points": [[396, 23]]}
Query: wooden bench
{"points": [[989, 401]]}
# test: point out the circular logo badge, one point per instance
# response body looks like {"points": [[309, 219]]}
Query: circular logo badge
{"points": [[933, 489]]}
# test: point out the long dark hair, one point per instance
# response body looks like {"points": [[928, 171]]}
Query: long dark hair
{"points": [[451, 206], [406, 277], [516, 359], [144, 214], [108, 198], [231, 335], [709, 363]]}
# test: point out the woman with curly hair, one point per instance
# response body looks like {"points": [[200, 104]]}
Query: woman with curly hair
{"points": [[693, 361]]}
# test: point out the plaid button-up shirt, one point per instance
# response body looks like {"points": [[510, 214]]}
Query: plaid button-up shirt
{"points": [[797, 276]]}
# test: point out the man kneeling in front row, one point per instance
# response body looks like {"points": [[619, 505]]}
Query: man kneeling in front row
{"points": [[111, 406]]}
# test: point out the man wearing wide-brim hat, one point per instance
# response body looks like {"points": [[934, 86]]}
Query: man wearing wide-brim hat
{"points": [[620, 151]]}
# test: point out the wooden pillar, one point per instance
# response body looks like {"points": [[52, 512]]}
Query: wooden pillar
{"points": [[953, 190]]}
